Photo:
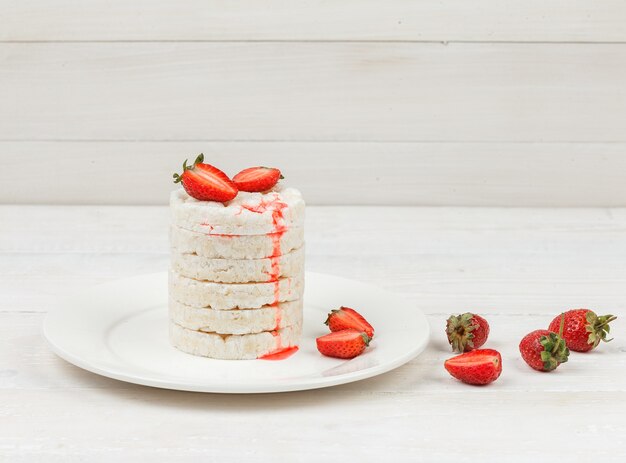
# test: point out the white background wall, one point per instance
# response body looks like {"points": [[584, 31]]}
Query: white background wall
{"points": [[428, 102]]}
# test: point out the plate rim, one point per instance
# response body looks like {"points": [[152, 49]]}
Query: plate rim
{"points": [[309, 384]]}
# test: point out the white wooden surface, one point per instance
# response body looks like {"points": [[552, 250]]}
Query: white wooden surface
{"points": [[537, 174], [399, 20], [436, 102], [517, 266], [295, 91]]}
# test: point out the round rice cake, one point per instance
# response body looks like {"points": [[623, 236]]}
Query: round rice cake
{"points": [[227, 296], [233, 346], [236, 246], [237, 321], [238, 270], [272, 211]]}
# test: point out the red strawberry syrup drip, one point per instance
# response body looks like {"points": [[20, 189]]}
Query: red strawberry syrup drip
{"points": [[281, 354], [276, 207], [275, 264], [279, 316], [279, 341], [274, 273]]}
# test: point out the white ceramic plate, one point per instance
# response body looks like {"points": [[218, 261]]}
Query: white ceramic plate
{"points": [[120, 330]]}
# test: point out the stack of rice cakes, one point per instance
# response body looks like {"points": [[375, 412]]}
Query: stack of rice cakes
{"points": [[237, 274]]}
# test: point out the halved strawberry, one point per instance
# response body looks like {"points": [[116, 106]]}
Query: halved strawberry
{"points": [[347, 318], [257, 179], [480, 366], [205, 182], [345, 344]]}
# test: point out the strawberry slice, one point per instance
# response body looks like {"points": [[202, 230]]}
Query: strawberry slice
{"points": [[206, 182], [346, 318], [257, 179], [480, 366], [344, 344]]}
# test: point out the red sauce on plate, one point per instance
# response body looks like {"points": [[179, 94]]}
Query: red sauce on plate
{"points": [[280, 354]]}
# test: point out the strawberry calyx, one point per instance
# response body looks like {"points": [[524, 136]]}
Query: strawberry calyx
{"points": [[332, 312], [554, 352], [598, 327], [459, 330], [200, 159]]}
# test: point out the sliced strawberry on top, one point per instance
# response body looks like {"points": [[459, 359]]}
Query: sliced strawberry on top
{"points": [[480, 366], [347, 318], [206, 182], [257, 179], [345, 344]]}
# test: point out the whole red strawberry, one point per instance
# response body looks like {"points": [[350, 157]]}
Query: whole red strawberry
{"points": [[345, 344], [257, 179], [583, 329], [205, 182], [543, 350], [346, 318], [467, 331], [480, 366]]}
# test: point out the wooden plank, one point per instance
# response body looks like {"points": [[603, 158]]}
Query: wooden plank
{"points": [[503, 261], [70, 425], [436, 20], [312, 91], [441, 174]]}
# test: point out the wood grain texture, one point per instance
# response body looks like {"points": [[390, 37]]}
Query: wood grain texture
{"points": [[135, 424], [518, 266], [497, 92], [500, 103], [513, 261], [426, 20], [442, 174]]}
